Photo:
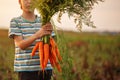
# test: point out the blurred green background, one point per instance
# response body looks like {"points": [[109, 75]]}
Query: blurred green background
{"points": [[96, 55]]}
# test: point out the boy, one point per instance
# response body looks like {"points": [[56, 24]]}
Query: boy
{"points": [[26, 32]]}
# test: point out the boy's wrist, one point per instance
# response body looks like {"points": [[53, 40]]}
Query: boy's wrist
{"points": [[35, 37]]}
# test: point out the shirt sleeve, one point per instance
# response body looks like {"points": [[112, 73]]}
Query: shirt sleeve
{"points": [[53, 34], [14, 29]]}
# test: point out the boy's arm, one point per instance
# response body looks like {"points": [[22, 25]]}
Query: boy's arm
{"points": [[24, 43], [21, 43]]}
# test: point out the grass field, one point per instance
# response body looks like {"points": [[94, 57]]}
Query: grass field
{"points": [[96, 56]]}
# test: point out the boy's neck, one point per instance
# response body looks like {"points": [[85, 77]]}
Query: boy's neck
{"points": [[30, 16]]}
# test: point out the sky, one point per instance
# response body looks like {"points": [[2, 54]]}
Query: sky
{"points": [[105, 15]]}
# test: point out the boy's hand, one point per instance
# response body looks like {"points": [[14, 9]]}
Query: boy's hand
{"points": [[45, 30], [47, 27]]}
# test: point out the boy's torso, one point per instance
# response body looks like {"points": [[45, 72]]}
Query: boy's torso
{"points": [[23, 60]]}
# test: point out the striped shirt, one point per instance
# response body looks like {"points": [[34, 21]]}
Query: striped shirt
{"points": [[23, 61]]}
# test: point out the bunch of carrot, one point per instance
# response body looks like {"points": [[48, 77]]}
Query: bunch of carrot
{"points": [[48, 52]]}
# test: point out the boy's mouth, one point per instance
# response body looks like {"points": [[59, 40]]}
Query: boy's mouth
{"points": [[28, 6]]}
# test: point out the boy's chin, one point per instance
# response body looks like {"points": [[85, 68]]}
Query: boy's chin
{"points": [[30, 10]]}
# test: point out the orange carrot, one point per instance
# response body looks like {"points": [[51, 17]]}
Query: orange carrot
{"points": [[34, 49], [50, 56], [51, 60], [41, 54], [58, 54], [53, 44], [53, 54], [58, 67], [46, 54], [55, 61]]}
